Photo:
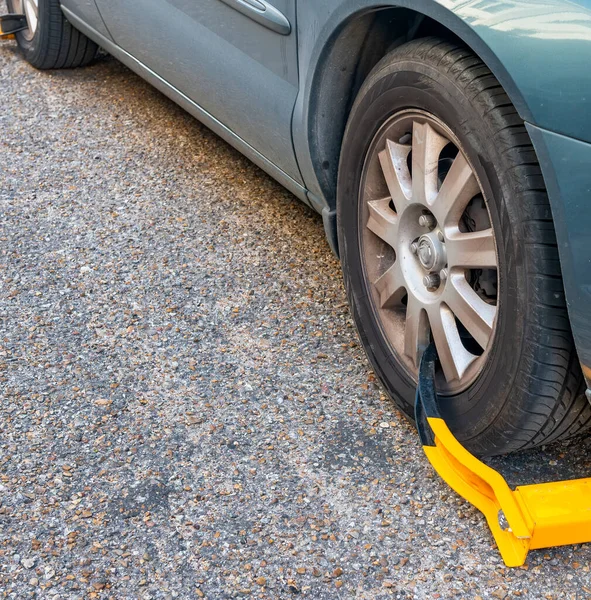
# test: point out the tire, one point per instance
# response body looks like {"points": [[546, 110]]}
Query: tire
{"points": [[54, 43], [529, 390]]}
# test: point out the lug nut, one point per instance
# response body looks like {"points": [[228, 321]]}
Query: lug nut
{"points": [[443, 274], [440, 236], [431, 281], [427, 221], [414, 247]]}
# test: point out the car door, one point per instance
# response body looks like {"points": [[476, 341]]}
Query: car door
{"points": [[237, 59]]}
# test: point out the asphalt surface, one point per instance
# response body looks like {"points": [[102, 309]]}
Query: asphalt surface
{"points": [[185, 409]]}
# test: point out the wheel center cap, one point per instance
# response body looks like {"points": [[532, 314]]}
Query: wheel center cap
{"points": [[431, 252]]}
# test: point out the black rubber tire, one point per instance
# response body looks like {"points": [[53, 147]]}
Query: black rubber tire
{"points": [[56, 44], [530, 391]]}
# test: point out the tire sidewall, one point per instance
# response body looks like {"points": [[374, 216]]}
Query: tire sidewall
{"points": [[413, 84]]}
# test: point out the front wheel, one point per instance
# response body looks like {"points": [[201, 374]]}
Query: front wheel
{"points": [[446, 234], [50, 41]]}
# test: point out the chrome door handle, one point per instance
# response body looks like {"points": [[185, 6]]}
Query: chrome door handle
{"points": [[263, 13]]}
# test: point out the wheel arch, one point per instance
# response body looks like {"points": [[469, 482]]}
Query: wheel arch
{"points": [[348, 47]]}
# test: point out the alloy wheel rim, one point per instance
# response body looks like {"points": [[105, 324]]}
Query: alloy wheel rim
{"points": [[428, 248]]}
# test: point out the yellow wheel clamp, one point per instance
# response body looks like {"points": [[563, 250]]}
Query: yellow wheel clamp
{"points": [[527, 518], [11, 24]]}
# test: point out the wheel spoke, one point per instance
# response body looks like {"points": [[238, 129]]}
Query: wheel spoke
{"points": [[453, 356], [393, 162], [383, 221], [458, 188], [427, 145], [476, 315], [390, 286], [474, 250], [416, 332]]}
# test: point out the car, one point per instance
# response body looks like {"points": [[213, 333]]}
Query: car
{"points": [[447, 146]]}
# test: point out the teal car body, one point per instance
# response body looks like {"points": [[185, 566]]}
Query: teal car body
{"points": [[276, 80]]}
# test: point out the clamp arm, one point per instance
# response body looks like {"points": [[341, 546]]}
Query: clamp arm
{"points": [[11, 24], [528, 518]]}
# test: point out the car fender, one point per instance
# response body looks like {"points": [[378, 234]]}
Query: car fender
{"points": [[539, 51]]}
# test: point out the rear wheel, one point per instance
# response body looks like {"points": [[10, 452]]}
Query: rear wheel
{"points": [[446, 234], [50, 42]]}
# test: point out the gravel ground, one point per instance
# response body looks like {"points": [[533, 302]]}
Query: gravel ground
{"points": [[185, 410]]}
